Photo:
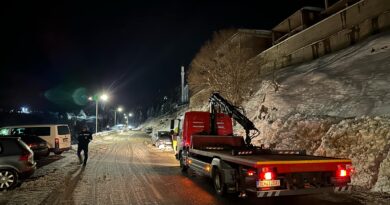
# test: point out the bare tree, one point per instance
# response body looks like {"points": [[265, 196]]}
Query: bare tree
{"points": [[221, 65]]}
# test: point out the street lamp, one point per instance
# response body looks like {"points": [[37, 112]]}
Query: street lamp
{"points": [[103, 97], [120, 109], [127, 121], [130, 115]]}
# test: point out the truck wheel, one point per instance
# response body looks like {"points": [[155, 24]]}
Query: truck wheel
{"points": [[8, 179], [58, 152], [219, 184], [183, 166]]}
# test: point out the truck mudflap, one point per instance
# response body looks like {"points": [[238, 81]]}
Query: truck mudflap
{"points": [[339, 189], [275, 193]]}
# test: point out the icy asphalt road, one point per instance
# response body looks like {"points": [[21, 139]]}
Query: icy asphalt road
{"points": [[125, 169]]}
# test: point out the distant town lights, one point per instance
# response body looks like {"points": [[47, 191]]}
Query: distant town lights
{"points": [[24, 110]]}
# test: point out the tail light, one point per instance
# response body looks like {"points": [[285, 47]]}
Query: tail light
{"points": [[343, 171], [251, 173], [57, 143], [32, 145], [267, 173], [25, 157]]}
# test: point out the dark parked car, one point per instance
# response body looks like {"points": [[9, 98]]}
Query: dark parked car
{"points": [[149, 130], [16, 162], [36, 144]]}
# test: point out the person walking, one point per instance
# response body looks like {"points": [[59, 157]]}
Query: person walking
{"points": [[84, 138]]}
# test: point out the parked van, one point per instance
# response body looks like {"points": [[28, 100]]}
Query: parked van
{"points": [[58, 136]]}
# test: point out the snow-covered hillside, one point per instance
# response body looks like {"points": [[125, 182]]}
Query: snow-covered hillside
{"points": [[337, 105], [163, 123]]}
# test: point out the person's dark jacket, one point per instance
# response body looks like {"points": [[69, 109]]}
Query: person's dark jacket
{"points": [[84, 137]]}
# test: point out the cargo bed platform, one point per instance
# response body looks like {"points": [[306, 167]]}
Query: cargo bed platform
{"points": [[283, 162]]}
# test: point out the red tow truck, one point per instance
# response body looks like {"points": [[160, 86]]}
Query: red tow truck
{"points": [[207, 146]]}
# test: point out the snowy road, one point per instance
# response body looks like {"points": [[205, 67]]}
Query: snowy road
{"points": [[124, 169]]}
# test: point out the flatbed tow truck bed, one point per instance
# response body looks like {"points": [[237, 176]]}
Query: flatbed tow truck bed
{"points": [[257, 160], [302, 163], [284, 163]]}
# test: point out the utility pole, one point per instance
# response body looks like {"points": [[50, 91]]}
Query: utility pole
{"points": [[97, 105], [182, 85]]}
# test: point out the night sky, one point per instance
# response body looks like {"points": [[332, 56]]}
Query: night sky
{"points": [[55, 53]]}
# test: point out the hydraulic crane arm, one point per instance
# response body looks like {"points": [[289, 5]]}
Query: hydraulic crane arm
{"points": [[220, 104]]}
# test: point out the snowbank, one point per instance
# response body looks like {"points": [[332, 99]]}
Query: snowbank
{"points": [[365, 140]]}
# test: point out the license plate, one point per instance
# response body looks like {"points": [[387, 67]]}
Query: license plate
{"points": [[65, 139], [268, 183]]}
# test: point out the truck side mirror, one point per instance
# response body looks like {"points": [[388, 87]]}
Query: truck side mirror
{"points": [[172, 124]]}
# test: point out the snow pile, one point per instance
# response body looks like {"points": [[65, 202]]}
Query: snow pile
{"points": [[297, 132], [383, 183], [365, 140]]}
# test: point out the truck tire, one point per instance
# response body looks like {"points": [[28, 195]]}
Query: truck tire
{"points": [[183, 166], [57, 152], [218, 182]]}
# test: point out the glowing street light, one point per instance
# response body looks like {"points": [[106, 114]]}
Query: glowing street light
{"points": [[119, 109], [103, 97], [130, 114]]}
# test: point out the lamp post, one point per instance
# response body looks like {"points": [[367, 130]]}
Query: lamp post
{"points": [[119, 109], [95, 98], [127, 121], [130, 115]]}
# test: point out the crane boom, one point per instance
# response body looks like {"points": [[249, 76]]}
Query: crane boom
{"points": [[219, 104]]}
